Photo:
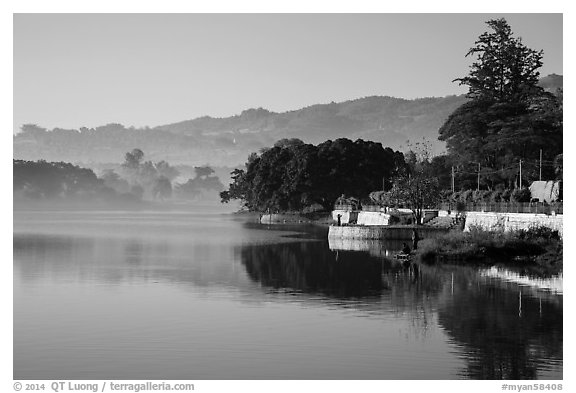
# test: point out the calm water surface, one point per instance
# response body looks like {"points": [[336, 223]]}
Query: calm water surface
{"points": [[205, 295]]}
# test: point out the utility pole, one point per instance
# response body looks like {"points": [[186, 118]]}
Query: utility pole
{"points": [[540, 164], [452, 178], [478, 177], [520, 173]]}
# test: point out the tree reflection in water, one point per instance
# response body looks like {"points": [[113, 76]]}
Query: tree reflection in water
{"points": [[310, 267], [480, 316], [504, 336]]}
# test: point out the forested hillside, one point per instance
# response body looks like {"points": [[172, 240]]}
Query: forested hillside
{"points": [[228, 141]]}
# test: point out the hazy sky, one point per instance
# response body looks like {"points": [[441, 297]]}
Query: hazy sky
{"points": [[74, 70]]}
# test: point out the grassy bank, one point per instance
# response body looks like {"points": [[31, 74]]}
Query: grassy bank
{"points": [[538, 249]]}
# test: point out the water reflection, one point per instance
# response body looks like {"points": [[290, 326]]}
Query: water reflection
{"points": [[501, 333], [537, 284], [504, 335], [282, 298], [375, 248], [70, 259], [307, 267]]}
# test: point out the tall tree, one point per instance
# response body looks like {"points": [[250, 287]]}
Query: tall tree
{"points": [[509, 117], [505, 69]]}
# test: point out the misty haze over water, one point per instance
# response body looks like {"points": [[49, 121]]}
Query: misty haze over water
{"points": [[206, 294]]}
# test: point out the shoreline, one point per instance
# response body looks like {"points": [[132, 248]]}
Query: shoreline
{"points": [[539, 254]]}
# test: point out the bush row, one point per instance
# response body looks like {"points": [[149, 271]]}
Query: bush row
{"points": [[479, 243], [536, 251], [487, 196]]}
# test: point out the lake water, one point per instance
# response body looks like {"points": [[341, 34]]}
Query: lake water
{"points": [[203, 295]]}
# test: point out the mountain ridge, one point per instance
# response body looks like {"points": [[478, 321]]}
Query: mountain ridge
{"points": [[227, 141]]}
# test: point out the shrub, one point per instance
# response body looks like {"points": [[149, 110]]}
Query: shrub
{"points": [[539, 232], [481, 196], [466, 196], [496, 196], [488, 246], [446, 194], [428, 249], [521, 195], [474, 228], [477, 196], [506, 195]]}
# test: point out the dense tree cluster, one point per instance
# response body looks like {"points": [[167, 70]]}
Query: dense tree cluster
{"points": [[158, 180], [293, 175], [44, 180], [509, 117], [133, 180], [203, 183], [143, 178]]}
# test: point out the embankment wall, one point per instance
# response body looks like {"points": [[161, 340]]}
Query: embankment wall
{"points": [[282, 218], [346, 216], [361, 217], [512, 221], [383, 232], [373, 218]]}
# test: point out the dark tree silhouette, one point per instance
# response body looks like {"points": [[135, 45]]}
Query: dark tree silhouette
{"points": [[162, 188], [509, 118], [201, 186], [133, 158], [294, 175]]}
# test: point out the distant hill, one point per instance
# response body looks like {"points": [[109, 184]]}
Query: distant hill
{"points": [[389, 120], [228, 141], [552, 82]]}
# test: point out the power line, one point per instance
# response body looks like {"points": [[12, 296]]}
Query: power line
{"points": [[488, 172]]}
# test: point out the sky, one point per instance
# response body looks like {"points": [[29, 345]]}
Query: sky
{"points": [[87, 70]]}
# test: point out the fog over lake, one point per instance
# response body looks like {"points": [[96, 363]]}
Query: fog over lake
{"points": [[202, 293]]}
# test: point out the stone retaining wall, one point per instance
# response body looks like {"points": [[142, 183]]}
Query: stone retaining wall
{"points": [[361, 217], [512, 221], [383, 232], [347, 216], [373, 218], [282, 218]]}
